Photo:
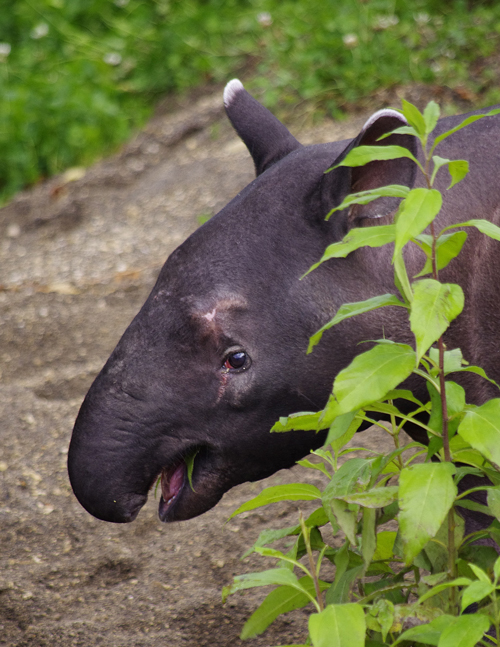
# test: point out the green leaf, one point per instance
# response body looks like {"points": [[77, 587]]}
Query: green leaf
{"points": [[276, 576], [351, 310], [341, 561], [416, 213], [352, 476], [455, 400], [268, 536], [360, 237], [291, 492], [452, 359], [383, 611], [465, 631], [421, 511], [316, 518], [362, 155], [438, 162], [496, 569], [281, 600], [434, 307], [340, 590], [371, 375], [314, 466], [476, 592], [385, 545], [436, 551], [368, 535], [458, 170], [330, 413], [401, 280], [339, 625], [190, 465], [342, 430], [402, 130], [481, 429], [403, 394], [347, 519], [448, 246], [478, 371], [469, 504], [459, 581], [415, 117], [431, 116], [427, 634], [479, 573], [378, 497], [465, 122], [365, 197], [484, 226], [305, 421], [493, 498]]}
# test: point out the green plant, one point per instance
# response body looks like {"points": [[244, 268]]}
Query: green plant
{"points": [[422, 567]]}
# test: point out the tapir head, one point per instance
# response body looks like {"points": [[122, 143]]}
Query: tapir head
{"points": [[218, 351]]}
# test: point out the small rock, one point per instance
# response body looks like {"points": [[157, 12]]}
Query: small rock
{"points": [[13, 231]]}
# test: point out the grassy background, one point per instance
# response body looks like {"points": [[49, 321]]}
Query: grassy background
{"points": [[77, 76]]}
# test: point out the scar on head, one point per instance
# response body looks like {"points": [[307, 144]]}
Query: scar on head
{"points": [[210, 315]]}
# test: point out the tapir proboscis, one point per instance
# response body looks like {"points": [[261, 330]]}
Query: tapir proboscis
{"points": [[218, 351]]}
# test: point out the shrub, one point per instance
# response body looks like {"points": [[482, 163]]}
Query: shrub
{"points": [[426, 571]]}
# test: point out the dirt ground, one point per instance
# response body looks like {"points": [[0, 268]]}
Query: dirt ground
{"points": [[78, 256]]}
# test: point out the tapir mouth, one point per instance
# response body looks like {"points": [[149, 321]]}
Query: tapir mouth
{"points": [[172, 480]]}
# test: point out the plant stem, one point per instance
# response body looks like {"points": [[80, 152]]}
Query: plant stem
{"points": [[495, 611], [452, 557], [395, 436], [312, 565]]}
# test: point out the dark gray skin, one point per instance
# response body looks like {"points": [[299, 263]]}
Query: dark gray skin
{"points": [[218, 351]]}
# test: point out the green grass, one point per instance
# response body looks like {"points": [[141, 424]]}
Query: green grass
{"points": [[80, 75]]}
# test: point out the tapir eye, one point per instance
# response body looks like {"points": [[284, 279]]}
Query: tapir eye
{"points": [[236, 360]]}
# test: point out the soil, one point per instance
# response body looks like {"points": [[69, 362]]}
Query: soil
{"points": [[78, 256]]}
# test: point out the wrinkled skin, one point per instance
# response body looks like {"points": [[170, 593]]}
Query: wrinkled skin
{"points": [[217, 353]]}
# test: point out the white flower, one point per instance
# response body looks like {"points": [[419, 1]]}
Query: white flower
{"points": [[4, 49], [350, 40], [41, 30], [113, 58], [384, 22], [265, 19], [421, 18]]}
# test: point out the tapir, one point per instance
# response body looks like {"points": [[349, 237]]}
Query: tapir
{"points": [[217, 354]]}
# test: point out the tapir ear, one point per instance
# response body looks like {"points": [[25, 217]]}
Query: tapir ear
{"points": [[265, 136], [344, 180]]}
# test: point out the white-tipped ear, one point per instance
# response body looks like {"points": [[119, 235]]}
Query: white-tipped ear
{"points": [[266, 138], [385, 112], [376, 174], [231, 90]]}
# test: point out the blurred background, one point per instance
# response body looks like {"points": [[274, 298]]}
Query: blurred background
{"points": [[77, 77]]}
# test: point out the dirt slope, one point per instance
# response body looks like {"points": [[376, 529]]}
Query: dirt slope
{"points": [[78, 256]]}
